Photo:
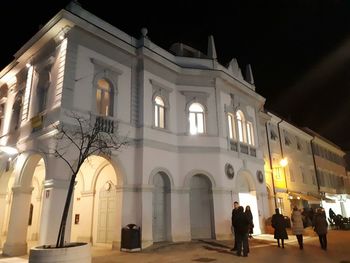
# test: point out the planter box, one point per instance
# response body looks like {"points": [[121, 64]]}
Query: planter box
{"points": [[72, 253]]}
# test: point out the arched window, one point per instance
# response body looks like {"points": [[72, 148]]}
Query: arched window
{"points": [[240, 125], [16, 110], [43, 88], [196, 118], [159, 112], [231, 126], [104, 98]]}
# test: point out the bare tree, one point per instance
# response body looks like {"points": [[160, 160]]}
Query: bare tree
{"points": [[85, 136]]}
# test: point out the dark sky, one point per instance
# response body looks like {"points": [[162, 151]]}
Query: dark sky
{"points": [[299, 49]]}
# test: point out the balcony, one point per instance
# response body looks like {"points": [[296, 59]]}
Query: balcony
{"points": [[242, 148], [104, 124]]}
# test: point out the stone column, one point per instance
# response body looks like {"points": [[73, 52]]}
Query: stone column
{"points": [[16, 243], [55, 194]]}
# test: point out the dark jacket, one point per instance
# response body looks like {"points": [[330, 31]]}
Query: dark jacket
{"points": [[233, 217], [250, 218], [241, 223], [320, 224], [279, 224]]}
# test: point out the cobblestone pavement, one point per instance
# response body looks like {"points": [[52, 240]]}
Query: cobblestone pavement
{"points": [[263, 248]]}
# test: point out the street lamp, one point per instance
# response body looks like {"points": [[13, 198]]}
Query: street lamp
{"points": [[284, 162]]}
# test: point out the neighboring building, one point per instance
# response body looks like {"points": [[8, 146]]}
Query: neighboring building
{"points": [[193, 126], [289, 166], [332, 175]]}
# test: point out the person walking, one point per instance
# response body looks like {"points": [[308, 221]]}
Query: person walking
{"points": [[241, 224], [233, 217], [279, 224], [249, 215], [321, 227], [297, 226]]}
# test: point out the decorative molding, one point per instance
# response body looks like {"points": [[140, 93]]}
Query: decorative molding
{"points": [[160, 85], [229, 171], [106, 65], [195, 94], [18, 189], [57, 184], [260, 176]]}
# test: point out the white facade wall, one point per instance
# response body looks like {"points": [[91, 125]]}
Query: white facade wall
{"points": [[135, 74]]}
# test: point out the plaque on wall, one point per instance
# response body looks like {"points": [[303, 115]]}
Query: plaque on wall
{"points": [[230, 172], [260, 176]]}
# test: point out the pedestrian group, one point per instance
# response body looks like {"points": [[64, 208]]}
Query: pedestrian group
{"points": [[242, 227]]}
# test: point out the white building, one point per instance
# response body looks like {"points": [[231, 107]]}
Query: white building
{"points": [[193, 126]]}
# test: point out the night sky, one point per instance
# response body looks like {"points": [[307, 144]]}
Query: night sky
{"points": [[299, 49]]}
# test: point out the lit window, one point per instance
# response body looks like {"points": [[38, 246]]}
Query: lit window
{"points": [[159, 112], [280, 205], [104, 98], [250, 133], [231, 126], [240, 125], [196, 118]]}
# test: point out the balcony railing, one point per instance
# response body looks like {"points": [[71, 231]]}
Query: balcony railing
{"points": [[242, 148], [104, 124]]}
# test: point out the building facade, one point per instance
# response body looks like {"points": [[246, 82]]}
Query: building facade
{"points": [[332, 176], [193, 127], [289, 167]]}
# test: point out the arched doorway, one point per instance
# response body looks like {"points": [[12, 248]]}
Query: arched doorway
{"points": [[161, 224], [201, 207], [29, 174], [247, 196], [96, 211], [36, 202]]}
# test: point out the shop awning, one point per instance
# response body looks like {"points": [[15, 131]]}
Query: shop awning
{"points": [[305, 197], [328, 200]]}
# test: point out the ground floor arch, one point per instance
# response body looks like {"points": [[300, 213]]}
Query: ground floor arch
{"points": [[201, 207], [21, 204], [247, 195], [96, 212], [161, 220]]}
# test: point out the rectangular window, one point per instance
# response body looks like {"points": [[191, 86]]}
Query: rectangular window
{"points": [[230, 126], [161, 117], [291, 175], [200, 123], [193, 128], [303, 175], [240, 130], [250, 133], [280, 205], [156, 117]]}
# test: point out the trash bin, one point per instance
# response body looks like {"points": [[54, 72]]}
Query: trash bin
{"points": [[287, 220], [130, 238]]}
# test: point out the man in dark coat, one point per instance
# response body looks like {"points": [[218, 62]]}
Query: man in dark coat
{"points": [[234, 213], [279, 224], [241, 224], [321, 226]]}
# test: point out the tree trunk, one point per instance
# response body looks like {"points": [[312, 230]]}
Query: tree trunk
{"points": [[61, 232]]}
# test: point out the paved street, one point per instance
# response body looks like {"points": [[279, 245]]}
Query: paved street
{"points": [[263, 249]]}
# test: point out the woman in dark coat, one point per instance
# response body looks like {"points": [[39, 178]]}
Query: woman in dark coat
{"points": [[321, 226], [249, 215], [279, 224]]}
